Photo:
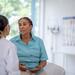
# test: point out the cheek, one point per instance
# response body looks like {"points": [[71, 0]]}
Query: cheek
{"points": [[26, 28], [8, 30]]}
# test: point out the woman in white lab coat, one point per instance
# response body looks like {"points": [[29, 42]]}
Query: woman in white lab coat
{"points": [[8, 57]]}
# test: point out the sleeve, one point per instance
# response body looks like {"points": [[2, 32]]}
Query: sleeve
{"points": [[43, 55], [12, 63]]}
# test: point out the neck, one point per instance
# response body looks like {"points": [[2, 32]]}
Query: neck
{"points": [[2, 35], [26, 38]]}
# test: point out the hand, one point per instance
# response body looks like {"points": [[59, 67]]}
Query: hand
{"points": [[39, 67], [35, 70], [22, 67]]}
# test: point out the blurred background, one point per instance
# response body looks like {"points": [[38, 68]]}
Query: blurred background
{"points": [[53, 21]]}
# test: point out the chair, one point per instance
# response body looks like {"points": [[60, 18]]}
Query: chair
{"points": [[53, 69]]}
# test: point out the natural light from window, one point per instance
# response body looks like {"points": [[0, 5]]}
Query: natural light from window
{"points": [[14, 9]]}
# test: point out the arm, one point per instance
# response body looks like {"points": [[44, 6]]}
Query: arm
{"points": [[43, 58], [12, 63]]}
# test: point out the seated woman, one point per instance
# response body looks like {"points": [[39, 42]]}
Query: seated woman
{"points": [[31, 50]]}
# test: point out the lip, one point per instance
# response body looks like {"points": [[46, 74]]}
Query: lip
{"points": [[22, 30]]}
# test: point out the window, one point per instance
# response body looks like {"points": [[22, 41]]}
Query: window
{"points": [[14, 9]]}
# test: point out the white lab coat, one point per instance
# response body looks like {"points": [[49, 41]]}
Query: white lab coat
{"points": [[9, 64]]}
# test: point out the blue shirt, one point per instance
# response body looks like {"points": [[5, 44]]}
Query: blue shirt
{"points": [[32, 53]]}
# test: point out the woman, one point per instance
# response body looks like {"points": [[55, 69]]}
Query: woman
{"points": [[31, 50], [8, 56]]}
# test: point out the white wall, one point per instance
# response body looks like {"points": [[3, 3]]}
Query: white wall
{"points": [[55, 10]]}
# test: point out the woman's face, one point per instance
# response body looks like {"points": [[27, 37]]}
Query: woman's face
{"points": [[24, 26]]}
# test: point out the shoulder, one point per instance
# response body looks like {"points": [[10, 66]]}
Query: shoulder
{"points": [[14, 38], [11, 47], [37, 38], [6, 44], [10, 44]]}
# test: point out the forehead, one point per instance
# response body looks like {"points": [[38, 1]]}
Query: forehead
{"points": [[23, 21]]}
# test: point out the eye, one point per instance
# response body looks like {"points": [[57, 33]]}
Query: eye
{"points": [[24, 24]]}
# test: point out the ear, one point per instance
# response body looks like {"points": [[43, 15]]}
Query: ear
{"points": [[5, 29]]}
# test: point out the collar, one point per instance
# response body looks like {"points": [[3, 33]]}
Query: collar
{"points": [[17, 38]]}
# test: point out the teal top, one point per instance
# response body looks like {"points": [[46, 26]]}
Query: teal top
{"points": [[32, 53]]}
